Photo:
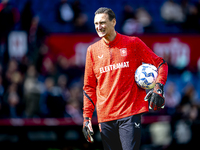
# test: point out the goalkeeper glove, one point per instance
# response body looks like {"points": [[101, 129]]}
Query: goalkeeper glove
{"points": [[87, 129], [156, 96]]}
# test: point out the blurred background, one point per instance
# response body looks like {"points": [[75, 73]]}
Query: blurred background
{"points": [[43, 45]]}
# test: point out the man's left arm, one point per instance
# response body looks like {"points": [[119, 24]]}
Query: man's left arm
{"points": [[156, 96]]}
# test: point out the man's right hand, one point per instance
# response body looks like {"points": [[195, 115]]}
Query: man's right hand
{"points": [[87, 129]]}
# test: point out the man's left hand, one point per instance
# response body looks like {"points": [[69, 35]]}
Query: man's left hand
{"points": [[156, 96]]}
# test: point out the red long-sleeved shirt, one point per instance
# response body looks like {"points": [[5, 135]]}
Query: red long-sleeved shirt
{"points": [[109, 82]]}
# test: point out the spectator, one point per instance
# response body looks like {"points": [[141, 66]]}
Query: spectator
{"points": [[9, 70], [187, 109], [127, 13], [172, 12], [16, 108], [65, 12], [26, 16], [73, 110], [144, 18], [9, 16], [77, 9], [191, 24], [62, 84], [40, 53], [190, 95], [67, 67], [76, 92], [17, 79], [74, 105], [130, 24], [49, 68], [183, 121], [81, 24], [173, 97], [32, 91], [37, 32], [13, 106], [52, 103]]}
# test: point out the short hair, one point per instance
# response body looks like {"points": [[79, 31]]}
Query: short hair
{"points": [[105, 10]]}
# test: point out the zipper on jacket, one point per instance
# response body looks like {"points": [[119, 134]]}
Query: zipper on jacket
{"points": [[110, 55]]}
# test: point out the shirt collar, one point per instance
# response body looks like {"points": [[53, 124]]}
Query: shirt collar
{"points": [[114, 42]]}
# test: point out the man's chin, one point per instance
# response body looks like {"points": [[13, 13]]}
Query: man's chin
{"points": [[101, 35]]}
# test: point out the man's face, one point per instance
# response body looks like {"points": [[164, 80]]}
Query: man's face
{"points": [[103, 25]]}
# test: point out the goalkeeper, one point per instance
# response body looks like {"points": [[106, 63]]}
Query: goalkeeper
{"points": [[110, 87]]}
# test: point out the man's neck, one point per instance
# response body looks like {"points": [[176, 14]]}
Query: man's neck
{"points": [[110, 38]]}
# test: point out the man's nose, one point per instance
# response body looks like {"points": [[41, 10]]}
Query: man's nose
{"points": [[99, 26]]}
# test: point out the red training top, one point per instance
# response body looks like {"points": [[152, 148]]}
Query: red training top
{"points": [[109, 82]]}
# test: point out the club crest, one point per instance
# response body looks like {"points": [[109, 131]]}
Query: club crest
{"points": [[123, 51]]}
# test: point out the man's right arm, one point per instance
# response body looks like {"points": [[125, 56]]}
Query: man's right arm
{"points": [[89, 97], [89, 88]]}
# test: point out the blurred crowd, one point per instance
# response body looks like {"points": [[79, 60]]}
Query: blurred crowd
{"points": [[40, 89], [33, 85], [76, 16]]}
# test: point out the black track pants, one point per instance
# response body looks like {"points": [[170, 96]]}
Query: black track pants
{"points": [[121, 134]]}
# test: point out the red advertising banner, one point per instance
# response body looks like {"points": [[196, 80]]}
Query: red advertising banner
{"points": [[179, 50]]}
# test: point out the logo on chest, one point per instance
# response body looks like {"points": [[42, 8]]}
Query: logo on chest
{"points": [[100, 56], [114, 67], [123, 51]]}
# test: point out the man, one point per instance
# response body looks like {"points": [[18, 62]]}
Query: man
{"points": [[109, 85]]}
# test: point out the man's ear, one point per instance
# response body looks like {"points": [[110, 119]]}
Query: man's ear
{"points": [[114, 22]]}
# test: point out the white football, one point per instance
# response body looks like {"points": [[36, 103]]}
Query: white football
{"points": [[145, 76]]}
